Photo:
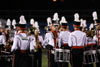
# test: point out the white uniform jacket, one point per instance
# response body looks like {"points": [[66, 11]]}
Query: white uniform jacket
{"points": [[77, 38]]}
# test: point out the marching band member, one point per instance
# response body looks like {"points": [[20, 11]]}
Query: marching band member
{"points": [[14, 30], [90, 41], [77, 40], [51, 40], [8, 39], [63, 37], [38, 48], [48, 30], [97, 39], [21, 47], [2, 37], [32, 37], [9, 32], [64, 34], [2, 43], [90, 46]]}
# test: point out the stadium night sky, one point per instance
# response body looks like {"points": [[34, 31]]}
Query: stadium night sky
{"points": [[48, 4]]}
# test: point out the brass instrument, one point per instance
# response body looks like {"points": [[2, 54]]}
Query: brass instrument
{"points": [[8, 45], [32, 29], [8, 42], [38, 44]]}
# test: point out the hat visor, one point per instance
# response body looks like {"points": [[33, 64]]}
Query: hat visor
{"points": [[20, 25]]}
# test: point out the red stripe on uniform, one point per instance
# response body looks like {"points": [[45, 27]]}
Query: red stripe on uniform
{"points": [[77, 46]]}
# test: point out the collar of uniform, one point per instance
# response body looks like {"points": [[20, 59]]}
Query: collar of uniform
{"points": [[22, 32], [77, 29], [66, 30], [63, 26]]}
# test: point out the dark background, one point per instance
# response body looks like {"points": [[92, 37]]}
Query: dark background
{"points": [[41, 9], [48, 4]]}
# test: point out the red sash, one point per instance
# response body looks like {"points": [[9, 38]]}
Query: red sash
{"points": [[55, 38]]}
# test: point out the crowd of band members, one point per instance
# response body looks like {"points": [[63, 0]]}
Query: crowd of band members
{"points": [[57, 36]]}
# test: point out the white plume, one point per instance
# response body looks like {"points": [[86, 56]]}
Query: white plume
{"points": [[83, 23], [22, 20], [32, 22], [76, 17], [94, 14], [55, 17], [49, 21], [63, 20], [8, 22], [13, 22], [91, 26], [36, 25]]}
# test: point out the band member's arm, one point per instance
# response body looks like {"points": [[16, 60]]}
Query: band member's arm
{"points": [[95, 38], [59, 40], [45, 41], [15, 43], [3, 40], [85, 40], [48, 41], [32, 44]]}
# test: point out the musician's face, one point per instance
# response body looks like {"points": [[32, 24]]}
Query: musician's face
{"points": [[1, 30], [17, 28], [98, 27], [54, 27]]}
